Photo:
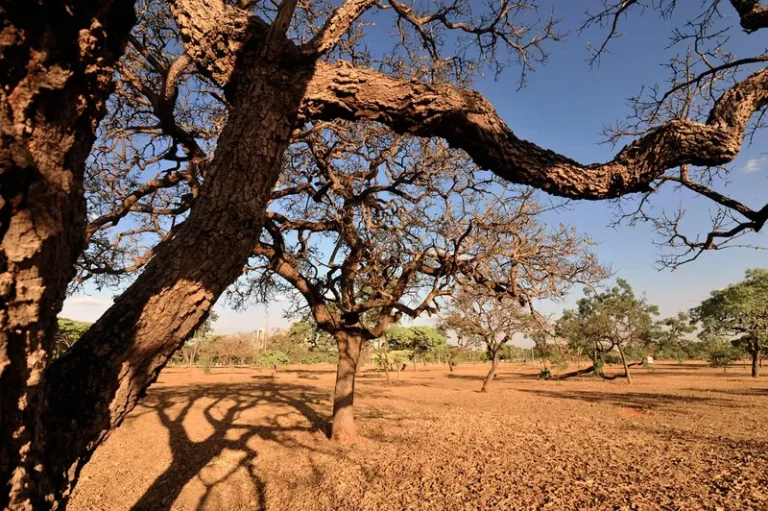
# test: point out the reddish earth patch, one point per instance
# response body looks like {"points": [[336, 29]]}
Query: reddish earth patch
{"points": [[242, 439]]}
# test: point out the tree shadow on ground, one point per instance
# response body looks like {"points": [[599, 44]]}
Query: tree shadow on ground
{"points": [[732, 446], [499, 377], [225, 404], [635, 400], [737, 392]]}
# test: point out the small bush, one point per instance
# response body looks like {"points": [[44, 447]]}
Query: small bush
{"points": [[721, 357], [273, 358], [545, 374], [207, 365]]}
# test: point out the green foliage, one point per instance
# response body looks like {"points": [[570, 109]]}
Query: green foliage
{"points": [[391, 360], [273, 358], [738, 310], [319, 358], [207, 364], [418, 339], [556, 360], [206, 328], [305, 334], [68, 332], [603, 320], [721, 354], [670, 339]]}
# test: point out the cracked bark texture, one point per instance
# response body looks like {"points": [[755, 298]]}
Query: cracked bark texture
{"points": [[466, 120], [93, 386], [56, 64]]}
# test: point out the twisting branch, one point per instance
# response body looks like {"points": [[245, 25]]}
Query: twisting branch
{"points": [[467, 121], [752, 15], [337, 25]]}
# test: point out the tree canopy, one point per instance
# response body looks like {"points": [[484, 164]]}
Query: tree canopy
{"points": [[613, 319], [212, 96], [739, 311]]}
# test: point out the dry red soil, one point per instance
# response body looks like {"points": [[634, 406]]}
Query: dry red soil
{"points": [[682, 437]]}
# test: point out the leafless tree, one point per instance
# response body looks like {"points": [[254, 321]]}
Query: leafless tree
{"points": [[485, 318], [369, 226], [269, 69]]}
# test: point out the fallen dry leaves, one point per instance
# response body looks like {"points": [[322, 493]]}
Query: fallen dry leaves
{"points": [[680, 438]]}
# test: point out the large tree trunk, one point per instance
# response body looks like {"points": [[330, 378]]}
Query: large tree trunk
{"points": [[492, 373], [94, 386], [624, 363], [343, 428], [56, 72]]}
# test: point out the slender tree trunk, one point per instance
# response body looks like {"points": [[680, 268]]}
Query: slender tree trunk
{"points": [[56, 72], [386, 365], [343, 426], [624, 363], [755, 362], [492, 373], [193, 355], [99, 381]]}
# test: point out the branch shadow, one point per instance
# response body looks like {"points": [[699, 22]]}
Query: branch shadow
{"points": [[499, 377], [635, 400], [737, 392], [223, 413]]}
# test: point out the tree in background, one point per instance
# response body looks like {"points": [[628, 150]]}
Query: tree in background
{"points": [[614, 319], [191, 347], [366, 226], [739, 310], [67, 334], [670, 339], [720, 353], [418, 340], [487, 318], [306, 333], [266, 69]]}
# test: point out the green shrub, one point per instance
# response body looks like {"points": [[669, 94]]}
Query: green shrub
{"points": [[319, 358], [273, 358], [207, 365], [721, 355]]}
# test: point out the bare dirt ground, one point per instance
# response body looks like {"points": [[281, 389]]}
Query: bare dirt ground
{"points": [[682, 437]]}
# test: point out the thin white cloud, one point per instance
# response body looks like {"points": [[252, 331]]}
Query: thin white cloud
{"points": [[754, 164], [88, 300]]}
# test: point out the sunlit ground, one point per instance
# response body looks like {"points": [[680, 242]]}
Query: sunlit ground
{"points": [[682, 437]]}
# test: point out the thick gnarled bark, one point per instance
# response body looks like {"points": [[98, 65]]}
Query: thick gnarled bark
{"points": [[466, 120], [56, 65], [98, 382]]}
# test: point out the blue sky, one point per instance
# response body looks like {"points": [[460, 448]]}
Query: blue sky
{"points": [[564, 108]]}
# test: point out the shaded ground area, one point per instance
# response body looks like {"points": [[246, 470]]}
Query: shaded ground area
{"points": [[682, 437]]}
